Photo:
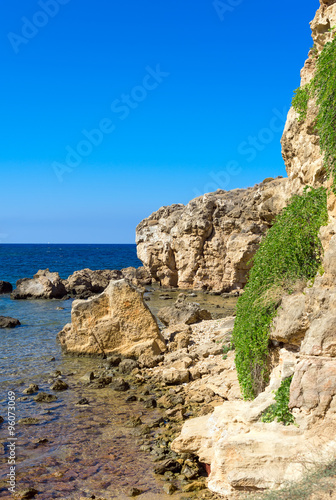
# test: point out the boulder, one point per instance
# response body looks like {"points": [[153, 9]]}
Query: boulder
{"points": [[183, 312], [137, 276], [174, 376], [5, 287], [116, 321], [85, 283], [7, 322], [44, 285]]}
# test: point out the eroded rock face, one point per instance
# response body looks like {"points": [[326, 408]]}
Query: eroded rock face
{"points": [[117, 320], [209, 242], [300, 141], [44, 285]]}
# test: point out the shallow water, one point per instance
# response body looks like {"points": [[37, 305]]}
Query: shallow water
{"points": [[90, 450]]}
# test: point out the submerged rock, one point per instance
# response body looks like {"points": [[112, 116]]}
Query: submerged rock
{"points": [[117, 321], [44, 285], [7, 322]]}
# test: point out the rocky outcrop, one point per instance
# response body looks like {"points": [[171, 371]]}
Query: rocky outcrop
{"points": [[44, 285], [7, 322], [209, 243], [300, 141], [5, 287], [183, 312], [243, 452], [85, 283], [118, 320]]}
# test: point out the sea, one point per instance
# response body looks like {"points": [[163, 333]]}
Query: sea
{"points": [[67, 451]]}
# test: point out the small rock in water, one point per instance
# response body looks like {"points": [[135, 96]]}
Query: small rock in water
{"points": [[127, 366], [52, 358], [27, 494], [29, 421], [130, 399], [135, 492], [43, 397], [150, 403], [168, 465], [31, 389], [83, 402], [7, 322], [59, 308], [59, 385], [169, 488], [119, 384], [88, 377], [1, 419], [5, 287], [114, 360], [38, 442]]}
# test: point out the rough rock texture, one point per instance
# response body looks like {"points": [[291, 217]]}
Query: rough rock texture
{"points": [[88, 282], [243, 452], [117, 320], [300, 141], [209, 242], [44, 285], [5, 287], [7, 322], [183, 312]]}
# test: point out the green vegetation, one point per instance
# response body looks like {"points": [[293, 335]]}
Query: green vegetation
{"points": [[300, 101], [290, 252], [279, 410], [323, 89]]}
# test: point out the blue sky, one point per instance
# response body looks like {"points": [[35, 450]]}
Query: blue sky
{"points": [[111, 109]]}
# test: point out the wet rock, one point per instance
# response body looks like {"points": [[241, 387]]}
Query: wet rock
{"points": [[169, 488], [27, 494], [127, 366], [29, 421], [83, 402], [150, 403], [5, 287], [195, 486], [183, 312], [59, 385], [52, 359], [7, 322], [88, 377], [39, 442], [131, 399], [1, 419], [119, 384], [44, 285], [135, 492], [31, 389], [168, 465], [44, 397], [102, 382], [114, 360]]}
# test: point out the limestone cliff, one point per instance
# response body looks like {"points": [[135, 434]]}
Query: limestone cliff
{"points": [[209, 242], [243, 452]]}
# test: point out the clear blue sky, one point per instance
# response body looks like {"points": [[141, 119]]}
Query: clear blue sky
{"points": [[189, 99]]}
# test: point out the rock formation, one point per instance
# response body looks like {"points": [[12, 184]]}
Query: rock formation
{"points": [[85, 283], [118, 320], [44, 285], [5, 287], [183, 312], [243, 452], [208, 243], [7, 322]]}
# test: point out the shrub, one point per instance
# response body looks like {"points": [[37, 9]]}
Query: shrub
{"points": [[300, 101], [279, 410], [290, 252]]}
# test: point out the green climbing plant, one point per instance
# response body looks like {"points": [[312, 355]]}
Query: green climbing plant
{"points": [[290, 252], [323, 88], [279, 410]]}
